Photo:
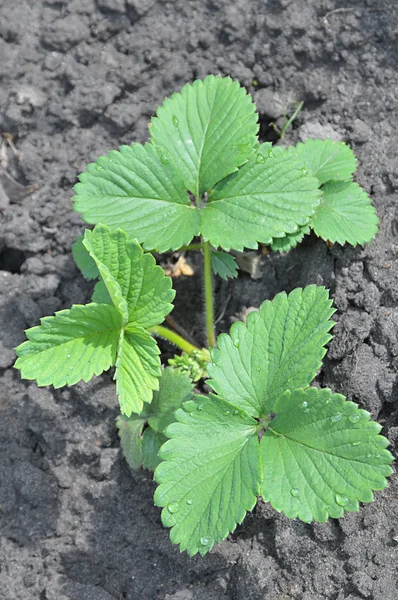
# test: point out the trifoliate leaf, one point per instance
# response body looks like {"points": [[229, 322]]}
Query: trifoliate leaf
{"points": [[321, 455], [152, 441], [326, 159], [74, 344], [141, 190], [130, 432], [280, 348], [269, 196], [224, 264], [207, 130], [137, 369], [210, 474], [345, 214], [142, 284], [175, 387], [83, 260], [290, 240]]}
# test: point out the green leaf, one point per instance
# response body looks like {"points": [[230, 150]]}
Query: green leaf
{"points": [[268, 197], [224, 264], [326, 159], [290, 240], [209, 477], [208, 130], [101, 294], [74, 344], [175, 387], [345, 214], [139, 189], [83, 260], [130, 432], [280, 348], [131, 275], [152, 441], [137, 369], [321, 455]]}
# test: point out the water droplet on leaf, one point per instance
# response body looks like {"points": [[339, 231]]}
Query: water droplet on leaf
{"points": [[164, 159], [354, 418], [258, 369], [189, 501], [336, 418], [236, 412], [260, 160], [236, 343], [204, 541], [270, 154], [304, 171], [99, 168], [304, 404], [200, 407], [356, 443], [342, 500], [175, 121], [227, 412], [173, 507], [295, 492]]}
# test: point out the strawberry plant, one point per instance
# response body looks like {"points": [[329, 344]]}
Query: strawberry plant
{"points": [[204, 182]]}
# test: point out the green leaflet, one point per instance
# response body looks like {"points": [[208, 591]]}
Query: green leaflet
{"points": [[224, 265], [142, 191], [271, 195], [345, 214], [142, 285], [207, 130], [325, 159], [321, 455], [75, 344], [209, 477], [83, 260], [290, 241], [142, 435], [281, 347]]}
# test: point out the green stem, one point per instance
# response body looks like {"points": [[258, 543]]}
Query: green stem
{"points": [[290, 121], [211, 338], [174, 338]]}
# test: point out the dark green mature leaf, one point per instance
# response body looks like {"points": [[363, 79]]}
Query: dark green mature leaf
{"points": [[224, 264], [321, 455], [142, 191], [175, 387], [280, 348], [83, 260], [345, 214], [210, 474], [137, 369], [208, 130], [74, 344], [141, 284], [326, 159], [152, 441], [268, 197]]}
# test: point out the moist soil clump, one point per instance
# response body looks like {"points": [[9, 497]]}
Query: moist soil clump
{"points": [[79, 78]]}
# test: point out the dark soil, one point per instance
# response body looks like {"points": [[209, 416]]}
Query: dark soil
{"points": [[80, 77]]}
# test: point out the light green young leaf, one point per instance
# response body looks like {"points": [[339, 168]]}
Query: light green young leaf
{"points": [[175, 387], [130, 433], [83, 260], [208, 130], [290, 240], [326, 159], [210, 474], [74, 344], [224, 264], [345, 214], [137, 369], [135, 277], [280, 348], [268, 197], [137, 188], [321, 455]]}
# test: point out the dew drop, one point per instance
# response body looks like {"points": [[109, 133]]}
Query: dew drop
{"points": [[354, 418], [236, 343], [342, 500], [204, 541], [236, 412], [99, 168], [71, 368], [175, 121], [356, 443], [270, 154], [227, 412], [189, 501], [164, 159], [68, 355], [368, 455], [295, 492], [258, 369], [200, 407], [336, 418], [173, 507], [304, 171], [260, 160], [304, 404]]}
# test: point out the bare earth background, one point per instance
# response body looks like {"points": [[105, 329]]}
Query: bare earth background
{"points": [[80, 77]]}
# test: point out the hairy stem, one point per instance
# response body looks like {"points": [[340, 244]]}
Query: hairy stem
{"points": [[174, 338], [209, 308]]}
